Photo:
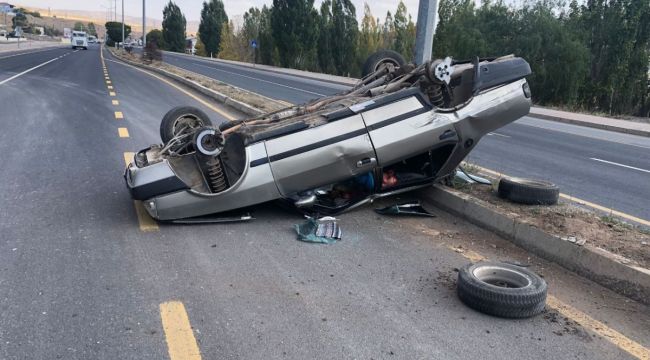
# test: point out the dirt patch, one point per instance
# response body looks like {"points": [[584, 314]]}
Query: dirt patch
{"points": [[255, 100], [574, 224]]}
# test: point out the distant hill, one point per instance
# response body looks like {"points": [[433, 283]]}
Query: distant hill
{"points": [[100, 18]]}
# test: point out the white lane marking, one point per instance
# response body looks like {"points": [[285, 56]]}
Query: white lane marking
{"points": [[497, 134], [29, 53], [539, 123], [26, 71], [621, 165], [258, 79]]}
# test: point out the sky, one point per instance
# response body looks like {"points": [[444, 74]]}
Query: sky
{"points": [[192, 8]]}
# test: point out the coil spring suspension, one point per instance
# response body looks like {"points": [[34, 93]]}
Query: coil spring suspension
{"points": [[435, 96], [215, 175]]}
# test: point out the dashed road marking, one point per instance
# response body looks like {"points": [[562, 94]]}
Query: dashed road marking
{"points": [[123, 132], [112, 93], [181, 343], [621, 165], [115, 102], [26, 71], [119, 115], [110, 87], [204, 103], [108, 82]]}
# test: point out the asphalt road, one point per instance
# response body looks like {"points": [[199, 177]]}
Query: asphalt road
{"points": [[80, 279], [563, 154]]}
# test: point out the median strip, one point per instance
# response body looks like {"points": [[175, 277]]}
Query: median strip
{"points": [[181, 343]]}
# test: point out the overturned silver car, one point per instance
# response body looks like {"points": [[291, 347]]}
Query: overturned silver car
{"points": [[398, 129]]}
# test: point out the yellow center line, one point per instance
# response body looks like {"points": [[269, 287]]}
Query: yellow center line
{"points": [[123, 132], [115, 102], [618, 339], [112, 93], [108, 81], [110, 87], [146, 222], [181, 343], [206, 104], [119, 115], [579, 201]]}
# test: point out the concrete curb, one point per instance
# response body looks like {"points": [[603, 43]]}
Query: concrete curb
{"points": [[590, 124], [212, 94], [607, 269]]}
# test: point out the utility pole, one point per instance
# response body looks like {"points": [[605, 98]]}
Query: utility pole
{"points": [[122, 23], [115, 8], [426, 28], [144, 25]]}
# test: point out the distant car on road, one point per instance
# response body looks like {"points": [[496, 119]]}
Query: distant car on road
{"points": [[92, 39], [79, 40]]}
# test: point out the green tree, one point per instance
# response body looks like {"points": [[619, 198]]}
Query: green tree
{"points": [[79, 26], [404, 32], [114, 32], [173, 28], [251, 30], [156, 36], [345, 31], [265, 39], [325, 32], [295, 32], [228, 43], [213, 16], [370, 35], [91, 29], [19, 20]]}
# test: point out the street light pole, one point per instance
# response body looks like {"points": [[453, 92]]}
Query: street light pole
{"points": [[426, 27], [144, 25], [122, 23]]}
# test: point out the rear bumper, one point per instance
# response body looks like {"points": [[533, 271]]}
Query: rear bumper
{"points": [[153, 180]]}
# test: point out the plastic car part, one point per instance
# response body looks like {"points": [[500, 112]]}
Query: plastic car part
{"points": [[529, 191], [502, 289]]}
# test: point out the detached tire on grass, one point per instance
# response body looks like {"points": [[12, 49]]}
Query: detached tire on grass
{"points": [[502, 290], [529, 191], [182, 117]]}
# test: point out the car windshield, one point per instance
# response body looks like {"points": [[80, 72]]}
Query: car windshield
{"points": [[79, 34]]}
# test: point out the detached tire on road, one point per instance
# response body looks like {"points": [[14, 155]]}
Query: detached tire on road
{"points": [[380, 57], [529, 191], [502, 290], [182, 117]]}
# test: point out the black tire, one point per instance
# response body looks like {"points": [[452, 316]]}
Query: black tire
{"points": [[169, 126], [528, 191], [380, 57], [501, 289]]}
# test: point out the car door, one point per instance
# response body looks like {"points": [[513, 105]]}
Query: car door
{"points": [[403, 125], [321, 155]]}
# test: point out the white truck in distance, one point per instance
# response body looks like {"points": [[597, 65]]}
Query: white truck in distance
{"points": [[79, 40]]}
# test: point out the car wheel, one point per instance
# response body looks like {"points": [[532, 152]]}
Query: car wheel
{"points": [[501, 289], [181, 119], [208, 141], [529, 191], [379, 58]]}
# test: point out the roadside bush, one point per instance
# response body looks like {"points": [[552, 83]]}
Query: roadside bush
{"points": [[151, 52]]}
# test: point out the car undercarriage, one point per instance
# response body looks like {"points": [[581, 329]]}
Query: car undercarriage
{"points": [[398, 129]]}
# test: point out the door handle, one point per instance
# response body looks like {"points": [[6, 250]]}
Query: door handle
{"points": [[366, 161]]}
